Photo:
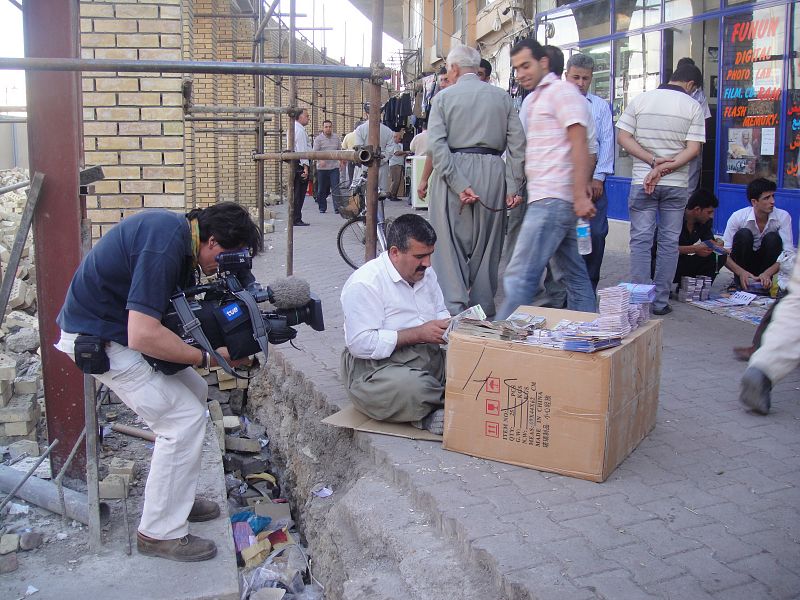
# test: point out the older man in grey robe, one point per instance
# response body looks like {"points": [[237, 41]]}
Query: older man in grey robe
{"points": [[471, 125]]}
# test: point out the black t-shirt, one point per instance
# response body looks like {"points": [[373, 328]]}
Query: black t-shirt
{"points": [[701, 232], [137, 265]]}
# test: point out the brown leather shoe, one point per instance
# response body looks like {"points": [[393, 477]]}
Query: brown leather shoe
{"points": [[189, 548], [203, 510]]}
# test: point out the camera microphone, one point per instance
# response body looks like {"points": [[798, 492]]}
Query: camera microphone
{"points": [[289, 292]]}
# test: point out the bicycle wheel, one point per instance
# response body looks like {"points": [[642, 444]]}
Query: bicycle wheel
{"points": [[351, 241], [383, 235]]}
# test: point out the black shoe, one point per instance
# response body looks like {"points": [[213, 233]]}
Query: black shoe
{"points": [[756, 391], [322, 212], [665, 310], [300, 224]]}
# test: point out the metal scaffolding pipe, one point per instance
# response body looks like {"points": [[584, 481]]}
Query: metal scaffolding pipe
{"points": [[13, 120], [6, 109], [16, 186], [181, 66], [362, 156], [292, 144], [373, 138], [255, 110], [221, 119]]}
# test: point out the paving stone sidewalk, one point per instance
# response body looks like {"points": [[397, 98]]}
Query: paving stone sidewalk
{"points": [[708, 506]]}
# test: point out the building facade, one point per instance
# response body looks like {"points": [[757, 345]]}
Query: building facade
{"points": [[749, 53]]}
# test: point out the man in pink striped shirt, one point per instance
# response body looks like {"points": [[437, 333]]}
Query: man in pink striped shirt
{"points": [[557, 167]]}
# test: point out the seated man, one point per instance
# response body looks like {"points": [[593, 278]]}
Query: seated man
{"points": [[694, 257], [394, 316], [756, 236]]}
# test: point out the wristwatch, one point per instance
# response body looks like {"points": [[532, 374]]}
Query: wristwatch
{"points": [[653, 162], [206, 362]]}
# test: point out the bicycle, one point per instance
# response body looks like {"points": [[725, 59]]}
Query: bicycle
{"points": [[352, 237]]}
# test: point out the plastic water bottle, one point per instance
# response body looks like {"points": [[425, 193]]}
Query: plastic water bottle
{"points": [[583, 231]]}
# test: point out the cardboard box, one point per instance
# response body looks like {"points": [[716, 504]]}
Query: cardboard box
{"points": [[566, 412]]}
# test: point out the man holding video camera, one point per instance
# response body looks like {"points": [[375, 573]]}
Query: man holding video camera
{"points": [[112, 317]]}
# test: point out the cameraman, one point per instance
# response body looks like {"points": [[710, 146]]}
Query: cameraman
{"points": [[120, 293], [394, 318]]}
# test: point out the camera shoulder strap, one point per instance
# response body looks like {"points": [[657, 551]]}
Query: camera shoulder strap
{"points": [[191, 327], [259, 330]]}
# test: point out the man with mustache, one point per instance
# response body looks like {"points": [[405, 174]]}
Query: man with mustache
{"points": [[394, 317]]}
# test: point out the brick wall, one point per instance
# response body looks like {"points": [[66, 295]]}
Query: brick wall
{"points": [[133, 122]]}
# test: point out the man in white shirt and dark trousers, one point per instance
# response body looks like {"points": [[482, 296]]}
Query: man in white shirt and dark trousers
{"points": [[301, 166], [662, 130], [393, 366], [755, 236]]}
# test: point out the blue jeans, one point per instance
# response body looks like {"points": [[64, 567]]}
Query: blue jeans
{"points": [[548, 231], [327, 181], [599, 225], [666, 204]]}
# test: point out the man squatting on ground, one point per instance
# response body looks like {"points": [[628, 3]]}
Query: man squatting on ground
{"points": [[393, 367], [558, 170], [662, 130], [779, 353], [756, 236], [470, 126], [120, 293]]}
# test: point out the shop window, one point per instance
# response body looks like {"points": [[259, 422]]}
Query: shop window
{"points": [[791, 176], [750, 99], [635, 14], [684, 9], [638, 60], [570, 26]]}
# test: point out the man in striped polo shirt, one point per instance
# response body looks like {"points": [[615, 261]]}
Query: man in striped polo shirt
{"points": [[558, 169], [662, 130]]}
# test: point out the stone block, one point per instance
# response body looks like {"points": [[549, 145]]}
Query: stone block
{"points": [[251, 465], [9, 543], [18, 291], [231, 423], [24, 447], [113, 487], [227, 385], [30, 540], [220, 434], [121, 466], [242, 384], [214, 393], [236, 401], [8, 563], [17, 318], [20, 408], [6, 392], [215, 410], [22, 428], [240, 444], [27, 384]]}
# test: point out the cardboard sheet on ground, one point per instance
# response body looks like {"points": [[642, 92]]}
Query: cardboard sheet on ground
{"points": [[351, 418]]}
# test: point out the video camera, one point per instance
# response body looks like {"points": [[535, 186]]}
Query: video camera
{"points": [[228, 314]]}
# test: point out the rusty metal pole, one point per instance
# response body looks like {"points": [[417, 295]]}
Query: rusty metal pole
{"points": [[54, 144], [374, 137], [293, 170], [258, 81]]}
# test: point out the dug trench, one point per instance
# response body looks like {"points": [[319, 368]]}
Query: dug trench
{"points": [[375, 537]]}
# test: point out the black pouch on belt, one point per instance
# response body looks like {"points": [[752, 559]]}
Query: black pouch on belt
{"points": [[90, 354]]}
